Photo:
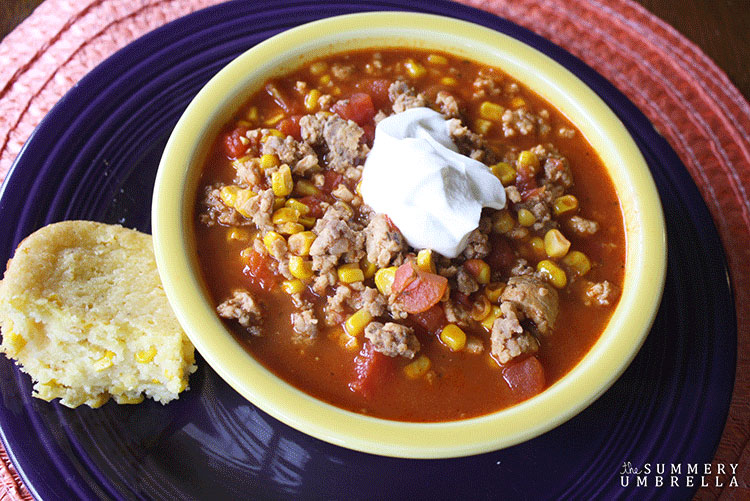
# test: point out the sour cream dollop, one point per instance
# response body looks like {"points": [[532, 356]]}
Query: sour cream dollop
{"points": [[415, 175]]}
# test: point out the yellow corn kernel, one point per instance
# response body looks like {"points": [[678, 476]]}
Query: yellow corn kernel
{"points": [[503, 222], [480, 308], [414, 69], [307, 221], [295, 204], [518, 102], [482, 126], [246, 252], [300, 268], [129, 400], [274, 119], [290, 228], [237, 163], [285, 215], [355, 325], [281, 181], [300, 243], [272, 132], [578, 262], [278, 203], [565, 204], [270, 239], [325, 79], [344, 339], [350, 273], [450, 81], [418, 367], [528, 158], [311, 100], [493, 291], [491, 111], [489, 320], [480, 270], [555, 243], [425, 261], [294, 286], [318, 67], [145, 356], [228, 195], [526, 218], [104, 362], [305, 188], [252, 114], [14, 341], [504, 172], [244, 123], [537, 245], [453, 337], [384, 279], [437, 59], [269, 160], [238, 234], [368, 268], [243, 197], [554, 273]]}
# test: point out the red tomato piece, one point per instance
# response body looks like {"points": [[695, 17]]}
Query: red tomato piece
{"points": [[259, 270], [369, 136], [332, 179], [313, 202], [377, 88], [370, 369], [417, 290], [525, 378], [233, 146], [358, 108], [290, 127], [525, 180], [432, 320], [405, 274]]}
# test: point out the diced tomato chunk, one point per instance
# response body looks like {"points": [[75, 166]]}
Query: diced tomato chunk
{"points": [[370, 369], [258, 268], [526, 378], [525, 180], [358, 108], [377, 88], [417, 290], [332, 180], [313, 202], [369, 136], [432, 320], [290, 127], [233, 146]]}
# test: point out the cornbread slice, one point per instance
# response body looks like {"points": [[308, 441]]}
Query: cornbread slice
{"points": [[83, 311]]}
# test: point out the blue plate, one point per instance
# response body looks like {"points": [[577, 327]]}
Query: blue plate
{"points": [[95, 157]]}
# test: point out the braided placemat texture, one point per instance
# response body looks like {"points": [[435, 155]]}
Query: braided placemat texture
{"points": [[688, 99]]}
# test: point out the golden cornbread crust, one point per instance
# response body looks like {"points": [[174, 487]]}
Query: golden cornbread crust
{"points": [[83, 311]]}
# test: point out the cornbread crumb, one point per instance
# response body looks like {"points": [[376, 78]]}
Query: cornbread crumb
{"points": [[83, 312]]}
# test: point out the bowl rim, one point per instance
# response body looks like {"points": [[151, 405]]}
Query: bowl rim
{"points": [[172, 211]]}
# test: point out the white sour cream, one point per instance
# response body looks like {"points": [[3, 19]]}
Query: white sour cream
{"points": [[432, 193]]}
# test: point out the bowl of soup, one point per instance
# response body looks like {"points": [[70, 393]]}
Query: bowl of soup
{"points": [[408, 235]]}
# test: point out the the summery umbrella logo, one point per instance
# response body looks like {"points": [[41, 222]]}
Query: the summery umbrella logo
{"points": [[678, 475]]}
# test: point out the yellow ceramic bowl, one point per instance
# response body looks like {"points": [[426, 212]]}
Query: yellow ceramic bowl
{"points": [[175, 195]]}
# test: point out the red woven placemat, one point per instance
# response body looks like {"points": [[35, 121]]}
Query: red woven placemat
{"points": [[688, 99]]}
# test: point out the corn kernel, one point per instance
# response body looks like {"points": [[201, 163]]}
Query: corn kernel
{"points": [[493, 291], [414, 69], [355, 325], [295, 204], [237, 163], [244, 123], [480, 308], [278, 203], [270, 239], [300, 243], [311, 100], [145, 356], [518, 102], [537, 246], [281, 181], [252, 114], [425, 261], [307, 221], [243, 197], [437, 59], [305, 188], [528, 158], [565, 204], [246, 252], [14, 341], [384, 279], [491, 111], [503, 222], [453, 337], [479, 269], [104, 362], [318, 67], [269, 160], [285, 215], [325, 79], [578, 262], [300, 268], [350, 273], [554, 273], [294, 286], [489, 320], [504, 172], [272, 132], [238, 234], [228, 195], [418, 367], [555, 243], [368, 268], [449, 81], [345, 340], [290, 228], [274, 119], [121, 400], [482, 126], [525, 217]]}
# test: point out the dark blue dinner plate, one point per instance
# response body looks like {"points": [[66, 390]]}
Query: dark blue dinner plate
{"points": [[95, 157]]}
